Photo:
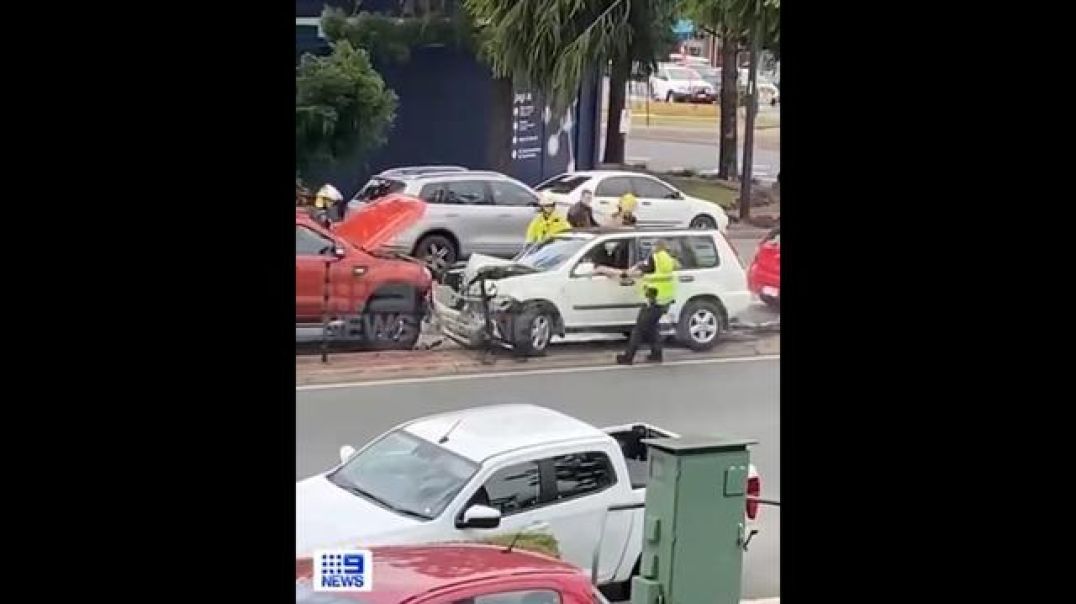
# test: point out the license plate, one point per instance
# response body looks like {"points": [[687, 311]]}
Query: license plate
{"points": [[771, 291]]}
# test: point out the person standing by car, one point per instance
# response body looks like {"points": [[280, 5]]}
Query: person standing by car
{"points": [[329, 203], [547, 223], [625, 211], [659, 290], [581, 214]]}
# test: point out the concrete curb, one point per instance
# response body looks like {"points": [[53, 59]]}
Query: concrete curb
{"points": [[361, 367]]}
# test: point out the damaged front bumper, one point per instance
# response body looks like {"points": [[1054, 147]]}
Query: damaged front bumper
{"points": [[462, 319]]}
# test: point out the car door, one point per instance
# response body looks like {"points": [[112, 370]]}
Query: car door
{"points": [[515, 490], [597, 300], [607, 193], [660, 206], [515, 207], [313, 256], [470, 215]]}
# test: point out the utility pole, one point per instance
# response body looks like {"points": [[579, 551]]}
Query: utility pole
{"points": [[749, 127]]}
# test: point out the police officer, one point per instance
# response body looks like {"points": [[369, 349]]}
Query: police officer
{"points": [[659, 289], [547, 223]]}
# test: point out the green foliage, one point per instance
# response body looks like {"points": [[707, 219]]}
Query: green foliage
{"points": [[548, 44], [737, 18], [541, 543], [341, 106], [391, 38]]}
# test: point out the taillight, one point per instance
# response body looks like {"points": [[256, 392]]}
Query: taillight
{"points": [[754, 491]]}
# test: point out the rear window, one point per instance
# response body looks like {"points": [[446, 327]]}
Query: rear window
{"points": [[378, 187], [565, 183]]}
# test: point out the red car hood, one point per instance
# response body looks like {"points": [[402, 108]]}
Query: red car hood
{"points": [[379, 221]]}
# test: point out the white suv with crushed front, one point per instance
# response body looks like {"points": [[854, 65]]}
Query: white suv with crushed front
{"points": [[660, 205], [552, 290]]}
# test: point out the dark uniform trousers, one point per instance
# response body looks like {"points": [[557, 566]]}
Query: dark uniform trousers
{"points": [[646, 328]]}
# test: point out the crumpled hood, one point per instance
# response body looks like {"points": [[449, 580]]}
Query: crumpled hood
{"points": [[328, 516], [375, 223]]}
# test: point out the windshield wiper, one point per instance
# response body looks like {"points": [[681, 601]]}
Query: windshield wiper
{"points": [[366, 494]]}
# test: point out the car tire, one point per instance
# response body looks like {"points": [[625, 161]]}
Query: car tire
{"points": [[700, 325], [393, 331], [533, 329], [438, 252], [670, 97], [702, 221]]}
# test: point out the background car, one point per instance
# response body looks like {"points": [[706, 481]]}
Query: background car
{"points": [[389, 294], [661, 205], [454, 574], [466, 212], [673, 83], [764, 275]]}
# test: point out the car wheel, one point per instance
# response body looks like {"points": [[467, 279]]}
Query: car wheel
{"points": [[533, 330], [702, 221], [391, 331], [700, 325], [669, 98], [438, 252]]}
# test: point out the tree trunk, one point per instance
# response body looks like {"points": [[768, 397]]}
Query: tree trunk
{"points": [[749, 127], [726, 159], [499, 145], [618, 81]]}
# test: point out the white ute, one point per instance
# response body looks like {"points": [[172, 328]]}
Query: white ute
{"points": [[496, 470]]}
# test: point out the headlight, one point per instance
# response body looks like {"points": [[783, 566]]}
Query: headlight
{"points": [[476, 289]]}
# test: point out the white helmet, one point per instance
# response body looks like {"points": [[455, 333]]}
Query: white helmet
{"points": [[546, 200], [330, 192]]}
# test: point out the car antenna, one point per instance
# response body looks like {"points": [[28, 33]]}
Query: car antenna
{"points": [[508, 549], [444, 439]]}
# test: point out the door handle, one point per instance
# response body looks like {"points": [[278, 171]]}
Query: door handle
{"points": [[504, 215], [453, 215], [686, 278], [646, 203], [604, 203]]}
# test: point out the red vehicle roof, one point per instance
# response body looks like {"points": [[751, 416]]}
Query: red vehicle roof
{"points": [[404, 572]]}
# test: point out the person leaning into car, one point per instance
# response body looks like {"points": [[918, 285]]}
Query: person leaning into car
{"points": [[659, 289]]}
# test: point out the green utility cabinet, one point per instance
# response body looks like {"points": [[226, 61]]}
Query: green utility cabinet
{"points": [[694, 524]]}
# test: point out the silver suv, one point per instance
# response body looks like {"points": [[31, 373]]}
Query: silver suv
{"points": [[467, 212]]}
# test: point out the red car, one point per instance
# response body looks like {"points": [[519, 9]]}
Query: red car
{"points": [[457, 574], [386, 296], [764, 275]]}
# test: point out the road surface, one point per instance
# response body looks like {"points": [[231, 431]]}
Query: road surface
{"points": [[727, 398], [662, 156]]}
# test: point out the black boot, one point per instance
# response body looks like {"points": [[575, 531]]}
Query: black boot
{"points": [[624, 359], [655, 357]]}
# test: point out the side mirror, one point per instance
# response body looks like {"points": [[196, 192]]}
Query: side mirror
{"points": [[346, 452], [584, 269], [339, 251], [480, 516], [675, 195]]}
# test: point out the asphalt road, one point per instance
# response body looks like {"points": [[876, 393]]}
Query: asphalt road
{"points": [[734, 399]]}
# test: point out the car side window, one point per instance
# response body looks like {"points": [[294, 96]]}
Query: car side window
{"points": [[309, 243], [512, 489], [432, 193], [698, 251], [465, 192], [579, 474], [510, 194], [614, 253], [649, 188], [614, 186], [525, 596]]}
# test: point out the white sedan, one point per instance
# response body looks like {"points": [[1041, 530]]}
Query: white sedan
{"points": [[660, 205]]}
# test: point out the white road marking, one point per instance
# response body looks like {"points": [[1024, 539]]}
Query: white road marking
{"points": [[550, 371]]}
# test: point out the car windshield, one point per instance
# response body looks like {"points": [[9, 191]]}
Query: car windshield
{"points": [[405, 474], [551, 253], [680, 73], [565, 183], [378, 187]]}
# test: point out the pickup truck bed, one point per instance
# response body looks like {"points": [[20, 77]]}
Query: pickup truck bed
{"points": [[631, 445]]}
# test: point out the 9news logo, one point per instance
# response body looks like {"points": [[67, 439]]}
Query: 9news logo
{"points": [[343, 570]]}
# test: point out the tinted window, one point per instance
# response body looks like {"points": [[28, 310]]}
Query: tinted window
{"points": [[651, 189], [510, 194], [565, 183], [466, 192], [512, 489], [378, 187], [431, 193], [529, 596], [309, 243], [692, 252], [582, 473], [613, 187]]}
